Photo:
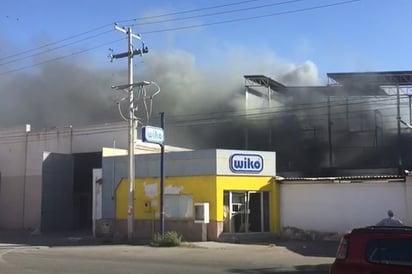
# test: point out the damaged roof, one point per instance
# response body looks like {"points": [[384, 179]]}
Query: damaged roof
{"points": [[379, 78], [344, 83]]}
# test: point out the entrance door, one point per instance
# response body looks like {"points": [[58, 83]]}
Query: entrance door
{"points": [[255, 213], [246, 211], [239, 212]]}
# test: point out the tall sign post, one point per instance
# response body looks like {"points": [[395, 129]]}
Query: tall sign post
{"points": [[162, 178], [155, 135]]}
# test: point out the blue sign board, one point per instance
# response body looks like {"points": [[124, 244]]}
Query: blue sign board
{"points": [[246, 163], [153, 135]]}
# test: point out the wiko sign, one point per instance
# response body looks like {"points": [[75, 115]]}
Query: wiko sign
{"points": [[246, 163]]}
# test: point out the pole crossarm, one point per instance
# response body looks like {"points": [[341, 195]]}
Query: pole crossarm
{"points": [[131, 52], [127, 86], [124, 30], [140, 52]]}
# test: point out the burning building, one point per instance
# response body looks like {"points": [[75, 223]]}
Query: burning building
{"points": [[357, 121]]}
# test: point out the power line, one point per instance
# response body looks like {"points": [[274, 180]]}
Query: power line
{"points": [[289, 108], [54, 49], [217, 13], [172, 29], [53, 43], [187, 11], [217, 120], [61, 57], [121, 21], [95, 29], [213, 119], [253, 17]]}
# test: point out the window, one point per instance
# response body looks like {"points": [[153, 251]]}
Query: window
{"points": [[178, 206], [390, 251]]}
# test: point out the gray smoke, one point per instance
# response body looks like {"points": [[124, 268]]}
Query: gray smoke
{"points": [[57, 94], [78, 93], [204, 104]]}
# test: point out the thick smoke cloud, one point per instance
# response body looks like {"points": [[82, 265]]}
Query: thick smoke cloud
{"points": [[204, 104], [199, 99], [216, 92], [57, 94], [78, 93]]}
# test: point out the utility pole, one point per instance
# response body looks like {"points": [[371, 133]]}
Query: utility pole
{"points": [[398, 116], [131, 119]]}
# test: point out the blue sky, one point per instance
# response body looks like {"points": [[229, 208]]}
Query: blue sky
{"points": [[363, 35]]}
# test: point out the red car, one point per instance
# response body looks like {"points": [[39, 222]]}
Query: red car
{"points": [[375, 250]]}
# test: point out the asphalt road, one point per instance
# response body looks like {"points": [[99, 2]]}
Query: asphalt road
{"points": [[200, 258]]}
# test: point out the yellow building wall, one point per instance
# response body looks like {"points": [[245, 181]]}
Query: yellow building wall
{"points": [[275, 208], [147, 194], [202, 188]]}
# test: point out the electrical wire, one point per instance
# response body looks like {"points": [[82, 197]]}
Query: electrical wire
{"points": [[252, 17], [187, 11], [167, 30], [53, 49], [141, 96], [54, 43], [216, 13], [107, 25], [184, 123], [60, 57], [267, 114], [277, 110]]}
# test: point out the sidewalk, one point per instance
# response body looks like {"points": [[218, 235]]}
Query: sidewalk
{"points": [[15, 238]]}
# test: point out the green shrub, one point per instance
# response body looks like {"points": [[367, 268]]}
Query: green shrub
{"points": [[170, 238]]}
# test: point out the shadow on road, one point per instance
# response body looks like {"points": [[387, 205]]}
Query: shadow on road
{"points": [[24, 237], [308, 247], [302, 269], [311, 248]]}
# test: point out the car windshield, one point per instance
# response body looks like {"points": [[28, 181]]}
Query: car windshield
{"points": [[390, 251]]}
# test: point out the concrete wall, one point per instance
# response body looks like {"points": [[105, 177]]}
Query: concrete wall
{"points": [[21, 161], [20, 166], [339, 207]]}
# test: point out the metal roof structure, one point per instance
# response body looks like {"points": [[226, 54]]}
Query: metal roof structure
{"points": [[261, 80], [340, 84], [380, 78], [345, 87], [362, 178]]}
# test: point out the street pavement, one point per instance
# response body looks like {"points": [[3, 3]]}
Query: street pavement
{"points": [[80, 254]]}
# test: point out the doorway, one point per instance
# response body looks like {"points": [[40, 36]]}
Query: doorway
{"points": [[246, 211], [66, 202]]}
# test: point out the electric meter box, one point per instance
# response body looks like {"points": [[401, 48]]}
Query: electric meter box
{"points": [[202, 213]]}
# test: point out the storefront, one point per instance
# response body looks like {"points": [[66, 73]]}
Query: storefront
{"points": [[237, 186]]}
